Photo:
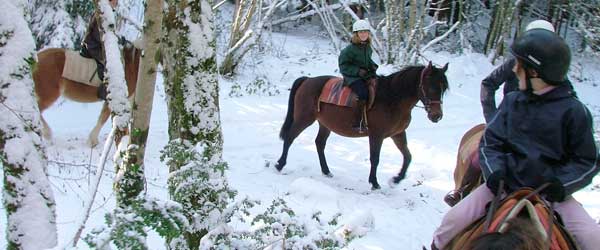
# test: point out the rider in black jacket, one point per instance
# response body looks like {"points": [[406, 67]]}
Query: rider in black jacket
{"points": [[504, 75], [540, 134]]}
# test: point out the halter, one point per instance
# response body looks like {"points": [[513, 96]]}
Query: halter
{"points": [[425, 99]]}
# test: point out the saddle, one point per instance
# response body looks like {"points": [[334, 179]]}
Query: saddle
{"points": [[334, 92], [80, 69], [523, 203]]}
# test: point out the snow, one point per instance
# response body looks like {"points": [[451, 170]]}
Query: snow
{"points": [[117, 89], [32, 223], [403, 217]]}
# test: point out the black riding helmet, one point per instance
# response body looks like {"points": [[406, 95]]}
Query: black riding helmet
{"points": [[545, 52]]}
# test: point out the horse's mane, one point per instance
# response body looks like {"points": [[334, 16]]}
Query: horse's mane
{"points": [[408, 81], [402, 84]]}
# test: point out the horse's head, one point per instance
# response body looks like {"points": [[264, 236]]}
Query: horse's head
{"points": [[432, 85]]}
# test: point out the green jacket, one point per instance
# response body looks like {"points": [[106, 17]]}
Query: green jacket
{"points": [[354, 57]]}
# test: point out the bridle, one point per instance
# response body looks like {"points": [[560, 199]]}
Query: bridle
{"points": [[424, 98]]}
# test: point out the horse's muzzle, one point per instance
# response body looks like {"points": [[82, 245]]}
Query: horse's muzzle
{"points": [[435, 116]]}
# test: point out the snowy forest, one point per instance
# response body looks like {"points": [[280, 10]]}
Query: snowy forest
{"points": [[197, 94]]}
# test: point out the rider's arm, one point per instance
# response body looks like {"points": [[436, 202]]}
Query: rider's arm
{"points": [[582, 162], [347, 68], [492, 156], [490, 84]]}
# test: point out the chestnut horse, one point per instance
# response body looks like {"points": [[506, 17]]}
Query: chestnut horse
{"points": [[49, 85], [467, 173], [396, 95]]}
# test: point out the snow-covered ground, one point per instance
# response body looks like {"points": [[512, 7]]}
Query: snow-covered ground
{"points": [[403, 217]]}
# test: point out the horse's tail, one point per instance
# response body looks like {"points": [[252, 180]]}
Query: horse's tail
{"points": [[289, 117]]}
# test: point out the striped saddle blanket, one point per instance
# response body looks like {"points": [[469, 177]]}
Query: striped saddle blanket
{"points": [[334, 92]]}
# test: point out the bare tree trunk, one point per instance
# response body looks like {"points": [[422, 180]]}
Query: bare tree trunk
{"points": [[242, 19], [27, 195], [512, 13], [132, 182], [394, 28], [493, 28], [194, 152]]}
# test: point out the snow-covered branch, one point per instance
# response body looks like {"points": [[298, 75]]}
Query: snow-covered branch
{"points": [[27, 195], [306, 14], [238, 50], [440, 38], [117, 88]]}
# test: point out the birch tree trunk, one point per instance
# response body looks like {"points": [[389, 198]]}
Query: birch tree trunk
{"points": [[132, 182], [394, 14], [194, 153], [27, 196]]}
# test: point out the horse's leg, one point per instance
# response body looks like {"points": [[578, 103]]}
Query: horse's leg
{"points": [[104, 114], [321, 141], [295, 130], [375, 148], [401, 144], [44, 102], [46, 131]]}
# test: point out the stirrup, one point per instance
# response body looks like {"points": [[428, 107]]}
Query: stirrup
{"points": [[360, 129]]}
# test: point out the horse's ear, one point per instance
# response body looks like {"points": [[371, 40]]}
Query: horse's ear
{"points": [[445, 68], [429, 65]]}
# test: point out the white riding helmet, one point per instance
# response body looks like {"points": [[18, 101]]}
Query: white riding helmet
{"points": [[360, 25], [540, 24]]}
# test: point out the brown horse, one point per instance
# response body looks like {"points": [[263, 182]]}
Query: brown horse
{"points": [[467, 173], [49, 85], [522, 220], [396, 95]]}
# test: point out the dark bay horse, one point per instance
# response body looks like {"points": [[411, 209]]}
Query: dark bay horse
{"points": [[396, 95], [49, 85]]}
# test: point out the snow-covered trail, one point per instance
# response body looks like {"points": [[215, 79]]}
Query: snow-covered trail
{"points": [[403, 217]]}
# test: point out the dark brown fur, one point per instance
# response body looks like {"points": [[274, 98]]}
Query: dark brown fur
{"points": [[520, 235]]}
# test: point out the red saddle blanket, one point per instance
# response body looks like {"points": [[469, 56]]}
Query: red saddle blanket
{"points": [[334, 92]]}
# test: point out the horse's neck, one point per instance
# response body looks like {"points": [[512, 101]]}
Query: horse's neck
{"points": [[395, 92]]}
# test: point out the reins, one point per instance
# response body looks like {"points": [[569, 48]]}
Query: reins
{"points": [[494, 206]]}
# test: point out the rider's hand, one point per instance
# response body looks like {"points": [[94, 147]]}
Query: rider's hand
{"points": [[362, 72], [555, 192], [493, 181]]}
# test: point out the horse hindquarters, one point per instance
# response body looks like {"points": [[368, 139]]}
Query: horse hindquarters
{"points": [[46, 78], [291, 127]]}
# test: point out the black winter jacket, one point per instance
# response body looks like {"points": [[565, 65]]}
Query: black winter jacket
{"points": [[537, 139], [501, 75], [489, 85], [92, 44]]}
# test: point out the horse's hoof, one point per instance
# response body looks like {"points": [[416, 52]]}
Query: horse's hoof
{"points": [[392, 182], [329, 175], [375, 187], [47, 133]]}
